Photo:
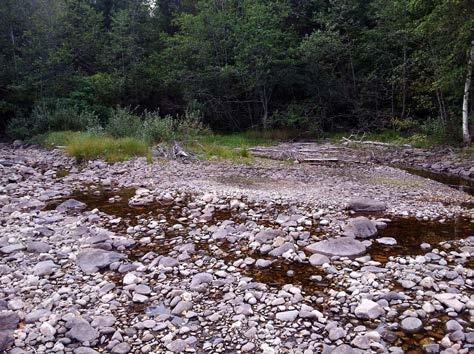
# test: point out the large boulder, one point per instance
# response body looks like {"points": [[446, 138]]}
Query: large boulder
{"points": [[342, 247], [91, 260], [366, 205], [360, 227]]}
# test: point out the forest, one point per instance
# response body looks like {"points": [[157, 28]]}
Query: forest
{"points": [[309, 66]]}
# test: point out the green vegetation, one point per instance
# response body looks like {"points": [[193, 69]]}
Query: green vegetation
{"points": [[111, 149], [153, 70], [228, 146], [85, 146]]}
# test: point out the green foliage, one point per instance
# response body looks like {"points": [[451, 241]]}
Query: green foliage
{"points": [[52, 116], [151, 127], [304, 66], [233, 147], [123, 122]]}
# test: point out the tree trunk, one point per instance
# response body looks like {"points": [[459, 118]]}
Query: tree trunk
{"points": [[404, 81], [465, 103], [265, 115], [265, 99]]}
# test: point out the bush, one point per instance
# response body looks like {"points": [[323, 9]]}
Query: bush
{"points": [[190, 126], [19, 127], [152, 128], [123, 123], [156, 129], [47, 115]]}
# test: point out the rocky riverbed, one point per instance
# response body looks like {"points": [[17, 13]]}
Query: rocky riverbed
{"points": [[215, 257]]}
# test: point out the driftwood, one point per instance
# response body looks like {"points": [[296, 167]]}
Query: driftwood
{"points": [[369, 142], [172, 151]]}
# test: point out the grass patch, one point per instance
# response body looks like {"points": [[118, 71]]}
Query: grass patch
{"points": [[233, 147], [418, 140], [110, 149], [86, 146]]}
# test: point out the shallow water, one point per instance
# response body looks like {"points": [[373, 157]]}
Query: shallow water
{"points": [[456, 182], [410, 233]]}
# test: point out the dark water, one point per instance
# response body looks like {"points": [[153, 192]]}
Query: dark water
{"points": [[456, 182], [410, 233]]}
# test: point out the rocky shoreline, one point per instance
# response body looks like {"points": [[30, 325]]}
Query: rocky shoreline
{"points": [[214, 257]]}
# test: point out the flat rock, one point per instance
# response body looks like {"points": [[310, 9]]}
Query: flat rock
{"points": [[85, 350], [450, 300], [388, 241], [263, 263], [71, 205], [168, 262], [267, 235], [38, 247], [12, 248], [91, 260], [345, 349], [176, 346], [366, 205], [121, 348], [342, 246]]}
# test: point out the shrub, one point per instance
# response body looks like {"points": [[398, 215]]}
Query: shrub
{"points": [[47, 115], [190, 126], [123, 122], [156, 129], [19, 127]]}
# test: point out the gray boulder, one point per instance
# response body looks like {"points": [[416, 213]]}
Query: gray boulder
{"points": [[368, 310], [82, 331], [360, 227], [200, 280], [411, 324], [44, 268]]}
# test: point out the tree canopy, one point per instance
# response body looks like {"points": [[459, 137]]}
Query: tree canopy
{"points": [[308, 65]]}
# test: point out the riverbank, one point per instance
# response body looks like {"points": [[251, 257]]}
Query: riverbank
{"points": [[215, 256]]}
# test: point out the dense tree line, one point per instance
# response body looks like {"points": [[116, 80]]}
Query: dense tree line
{"points": [[300, 64]]}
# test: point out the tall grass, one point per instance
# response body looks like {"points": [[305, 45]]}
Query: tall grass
{"points": [[111, 149], [85, 146]]}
